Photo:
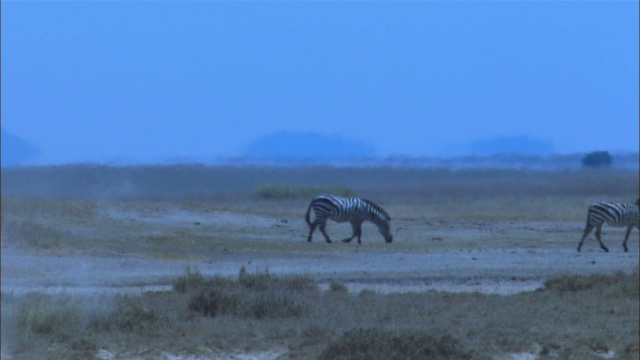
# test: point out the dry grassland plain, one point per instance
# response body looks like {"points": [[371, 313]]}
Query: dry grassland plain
{"points": [[198, 262]]}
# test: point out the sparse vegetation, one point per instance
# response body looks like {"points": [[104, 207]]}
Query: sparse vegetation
{"points": [[182, 182], [279, 191], [258, 296], [372, 344], [333, 324], [617, 282], [193, 212]]}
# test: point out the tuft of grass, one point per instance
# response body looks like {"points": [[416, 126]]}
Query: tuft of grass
{"points": [[32, 235], [190, 280], [624, 284], [130, 315], [372, 344], [258, 296], [45, 316], [214, 302], [569, 321], [338, 287], [280, 191]]}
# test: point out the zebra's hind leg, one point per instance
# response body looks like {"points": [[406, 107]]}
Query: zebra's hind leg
{"points": [[588, 228], [626, 237], [313, 227], [324, 232], [598, 233]]}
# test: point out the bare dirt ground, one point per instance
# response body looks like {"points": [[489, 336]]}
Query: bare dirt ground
{"points": [[502, 257], [486, 233]]}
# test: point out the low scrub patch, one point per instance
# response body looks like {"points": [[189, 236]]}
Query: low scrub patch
{"points": [[29, 234], [573, 317], [260, 295], [45, 315], [625, 283], [130, 314], [371, 344]]}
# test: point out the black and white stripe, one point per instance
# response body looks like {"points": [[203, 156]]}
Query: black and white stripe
{"points": [[354, 210], [614, 214]]}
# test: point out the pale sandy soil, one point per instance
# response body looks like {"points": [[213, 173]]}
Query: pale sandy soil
{"points": [[489, 257], [501, 271], [428, 254]]}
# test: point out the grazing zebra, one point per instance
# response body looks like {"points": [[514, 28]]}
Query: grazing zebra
{"points": [[354, 210], [613, 214]]}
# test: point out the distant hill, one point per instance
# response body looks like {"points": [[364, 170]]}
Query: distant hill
{"points": [[307, 146], [16, 151], [521, 144]]}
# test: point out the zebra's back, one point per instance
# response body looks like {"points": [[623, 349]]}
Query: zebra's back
{"points": [[341, 209], [613, 214]]}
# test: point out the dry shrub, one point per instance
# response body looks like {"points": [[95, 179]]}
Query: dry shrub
{"points": [[274, 304], [260, 295], [338, 287], [263, 280], [620, 283], [41, 314], [212, 302], [374, 344], [130, 315], [32, 235]]}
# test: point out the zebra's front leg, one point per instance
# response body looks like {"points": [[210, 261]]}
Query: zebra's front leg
{"points": [[626, 237], [357, 231], [598, 233], [347, 240]]}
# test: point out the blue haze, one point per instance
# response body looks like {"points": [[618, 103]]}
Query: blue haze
{"points": [[158, 81]]}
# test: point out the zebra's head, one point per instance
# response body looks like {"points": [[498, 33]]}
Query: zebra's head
{"points": [[382, 219], [386, 231]]}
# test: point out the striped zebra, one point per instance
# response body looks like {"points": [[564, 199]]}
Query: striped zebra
{"points": [[614, 214], [354, 210]]}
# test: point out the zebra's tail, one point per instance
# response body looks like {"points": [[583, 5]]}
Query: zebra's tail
{"points": [[306, 217]]}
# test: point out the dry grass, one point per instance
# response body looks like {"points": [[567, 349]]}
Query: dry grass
{"points": [[198, 181], [186, 212], [486, 208], [597, 316]]}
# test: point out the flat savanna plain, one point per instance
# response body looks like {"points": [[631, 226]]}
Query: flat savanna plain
{"points": [[202, 262]]}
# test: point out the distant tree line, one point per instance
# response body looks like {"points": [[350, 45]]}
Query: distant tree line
{"points": [[597, 159]]}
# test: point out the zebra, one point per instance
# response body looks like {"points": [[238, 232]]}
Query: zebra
{"points": [[614, 214], [341, 209]]}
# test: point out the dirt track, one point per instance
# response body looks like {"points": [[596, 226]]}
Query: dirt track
{"points": [[501, 271], [499, 245], [135, 247]]}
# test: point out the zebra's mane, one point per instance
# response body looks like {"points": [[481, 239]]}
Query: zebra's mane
{"points": [[378, 209]]}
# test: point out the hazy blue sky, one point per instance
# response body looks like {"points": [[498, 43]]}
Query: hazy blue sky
{"points": [[154, 80]]}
